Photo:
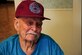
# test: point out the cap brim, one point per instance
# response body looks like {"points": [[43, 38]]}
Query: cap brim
{"points": [[44, 18]]}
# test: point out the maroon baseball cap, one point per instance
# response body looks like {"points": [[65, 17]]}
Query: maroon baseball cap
{"points": [[30, 9]]}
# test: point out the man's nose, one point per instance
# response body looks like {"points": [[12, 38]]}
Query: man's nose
{"points": [[34, 27]]}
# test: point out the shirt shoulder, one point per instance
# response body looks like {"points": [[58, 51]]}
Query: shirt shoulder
{"points": [[10, 39], [7, 44], [48, 42], [46, 37]]}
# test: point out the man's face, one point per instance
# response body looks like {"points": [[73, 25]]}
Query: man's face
{"points": [[29, 29]]}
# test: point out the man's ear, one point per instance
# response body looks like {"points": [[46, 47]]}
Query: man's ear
{"points": [[16, 24]]}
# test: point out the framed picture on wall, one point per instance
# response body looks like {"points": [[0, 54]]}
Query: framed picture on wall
{"points": [[56, 4]]}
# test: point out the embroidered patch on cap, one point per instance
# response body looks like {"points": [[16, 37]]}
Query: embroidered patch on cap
{"points": [[34, 7]]}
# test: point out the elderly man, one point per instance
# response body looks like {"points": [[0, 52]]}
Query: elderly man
{"points": [[29, 40]]}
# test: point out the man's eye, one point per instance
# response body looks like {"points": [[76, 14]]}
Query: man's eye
{"points": [[30, 23], [39, 25]]}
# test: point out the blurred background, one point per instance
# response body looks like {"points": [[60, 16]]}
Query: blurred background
{"points": [[64, 26], [7, 10]]}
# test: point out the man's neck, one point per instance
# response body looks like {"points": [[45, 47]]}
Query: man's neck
{"points": [[27, 47]]}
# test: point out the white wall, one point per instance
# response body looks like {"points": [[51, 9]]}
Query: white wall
{"points": [[60, 28], [77, 27], [17, 2]]}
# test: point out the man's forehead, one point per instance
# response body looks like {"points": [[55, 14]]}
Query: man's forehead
{"points": [[31, 19]]}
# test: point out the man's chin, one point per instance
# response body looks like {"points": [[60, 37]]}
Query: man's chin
{"points": [[30, 37], [29, 41]]}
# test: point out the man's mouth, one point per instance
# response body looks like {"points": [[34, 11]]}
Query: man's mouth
{"points": [[31, 36]]}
